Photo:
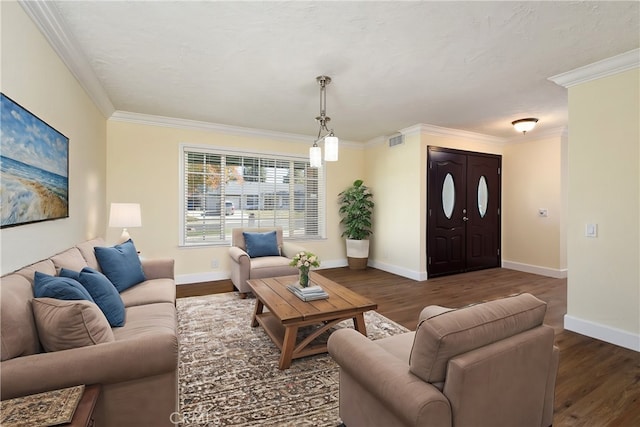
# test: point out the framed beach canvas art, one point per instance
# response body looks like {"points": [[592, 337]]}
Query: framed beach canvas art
{"points": [[34, 168]]}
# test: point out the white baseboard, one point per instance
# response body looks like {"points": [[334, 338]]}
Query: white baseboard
{"points": [[535, 269], [212, 276], [400, 271], [601, 332], [334, 263]]}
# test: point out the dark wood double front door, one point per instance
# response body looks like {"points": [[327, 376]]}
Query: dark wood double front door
{"points": [[463, 211]]}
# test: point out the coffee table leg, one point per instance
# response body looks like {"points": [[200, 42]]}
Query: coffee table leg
{"points": [[257, 310], [358, 323], [289, 343]]}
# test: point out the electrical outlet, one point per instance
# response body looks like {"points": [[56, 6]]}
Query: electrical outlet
{"points": [[543, 212], [215, 263]]}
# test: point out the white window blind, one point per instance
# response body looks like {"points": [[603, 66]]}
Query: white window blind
{"points": [[223, 190]]}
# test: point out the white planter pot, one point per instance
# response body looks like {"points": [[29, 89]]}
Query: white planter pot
{"points": [[357, 248], [357, 254]]}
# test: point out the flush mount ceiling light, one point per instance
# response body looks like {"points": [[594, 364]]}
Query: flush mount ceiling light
{"points": [[524, 125], [330, 140]]}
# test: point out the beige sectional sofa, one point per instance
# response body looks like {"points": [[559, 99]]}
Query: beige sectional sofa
{"points": [[137, 366]]}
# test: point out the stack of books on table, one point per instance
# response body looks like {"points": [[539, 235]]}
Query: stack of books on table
{"points": [[310, 293]]}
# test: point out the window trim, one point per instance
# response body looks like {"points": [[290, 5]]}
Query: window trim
{"points": [[269, 155]]}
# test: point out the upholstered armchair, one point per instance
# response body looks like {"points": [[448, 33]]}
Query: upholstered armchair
{"points": [[488, 364], [264, 254]]}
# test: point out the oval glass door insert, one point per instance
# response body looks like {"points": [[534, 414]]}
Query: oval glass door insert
{"points": [[483, 196], [448, 195]]}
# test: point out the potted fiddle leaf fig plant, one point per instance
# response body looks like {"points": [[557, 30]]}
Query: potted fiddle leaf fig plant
{"points": [[356, 208]]}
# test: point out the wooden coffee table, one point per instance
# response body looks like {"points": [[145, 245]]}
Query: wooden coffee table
{"points": [[287, 313]]}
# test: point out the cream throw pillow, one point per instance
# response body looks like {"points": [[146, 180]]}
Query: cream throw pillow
{"points": [[65, 324]]}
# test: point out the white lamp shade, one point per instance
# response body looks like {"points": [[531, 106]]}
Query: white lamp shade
{"points": [[331, 149], [315, 157], [125, 215]]}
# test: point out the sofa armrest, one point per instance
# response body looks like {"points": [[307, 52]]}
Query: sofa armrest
{"points": [[290, 249], [162, 268], [240, 268], [238, 255], [107, 363], [388, 379]]}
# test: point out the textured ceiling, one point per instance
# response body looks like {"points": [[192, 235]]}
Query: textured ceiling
{"points": [[473, 66]]}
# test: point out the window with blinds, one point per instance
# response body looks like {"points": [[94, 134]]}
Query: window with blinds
{"points": [[223, 190]]}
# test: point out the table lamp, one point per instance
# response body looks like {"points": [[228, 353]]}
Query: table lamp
{"points": [[125, 215]]}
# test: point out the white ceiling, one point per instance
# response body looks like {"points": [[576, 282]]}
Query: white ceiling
{"points": [[473, 66]]}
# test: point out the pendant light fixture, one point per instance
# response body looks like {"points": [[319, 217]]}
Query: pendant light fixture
{"points": [[330, 140], [524, 125]]}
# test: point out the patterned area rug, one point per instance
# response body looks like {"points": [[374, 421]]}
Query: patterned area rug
{"points": [[229, 372]]}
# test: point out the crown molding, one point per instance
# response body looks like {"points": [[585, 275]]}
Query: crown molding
{"points": [[378, 140], [425, 129], [172, 122], [557, 132], [52, 26], [607, 67]]}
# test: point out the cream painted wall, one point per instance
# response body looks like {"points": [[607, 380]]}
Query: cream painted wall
{"points": [[527, 243], [35, 77], [532, 179], [604, 188], [394, 176], [397, 176], [143, 167]]}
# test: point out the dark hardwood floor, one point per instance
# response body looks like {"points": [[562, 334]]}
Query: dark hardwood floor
{"points": [[598, 383]]}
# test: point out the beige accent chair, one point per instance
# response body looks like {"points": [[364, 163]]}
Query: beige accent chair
{"points": [[488, 364], [244, 268]]}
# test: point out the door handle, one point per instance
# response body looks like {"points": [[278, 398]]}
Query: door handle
{"points": [[464, 218]]}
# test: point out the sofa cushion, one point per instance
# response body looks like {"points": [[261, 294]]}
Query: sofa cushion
{"points": [[18, 333], [271, 266], [46, 266], [148, 320], [261, 244], [121, 264], [88, 252], [104, 294], [71, 259], [149, 292], [70, 324], [450, 333], [46, 286], [399, 345], [433, 311]]}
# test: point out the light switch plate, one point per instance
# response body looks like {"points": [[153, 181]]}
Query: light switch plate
{"points": [[591, 230]]}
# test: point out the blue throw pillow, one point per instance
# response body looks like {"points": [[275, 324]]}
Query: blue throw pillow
{"points": [[261, 244], [46, 286], [65, 272], [104, 294], [121, 264]]}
